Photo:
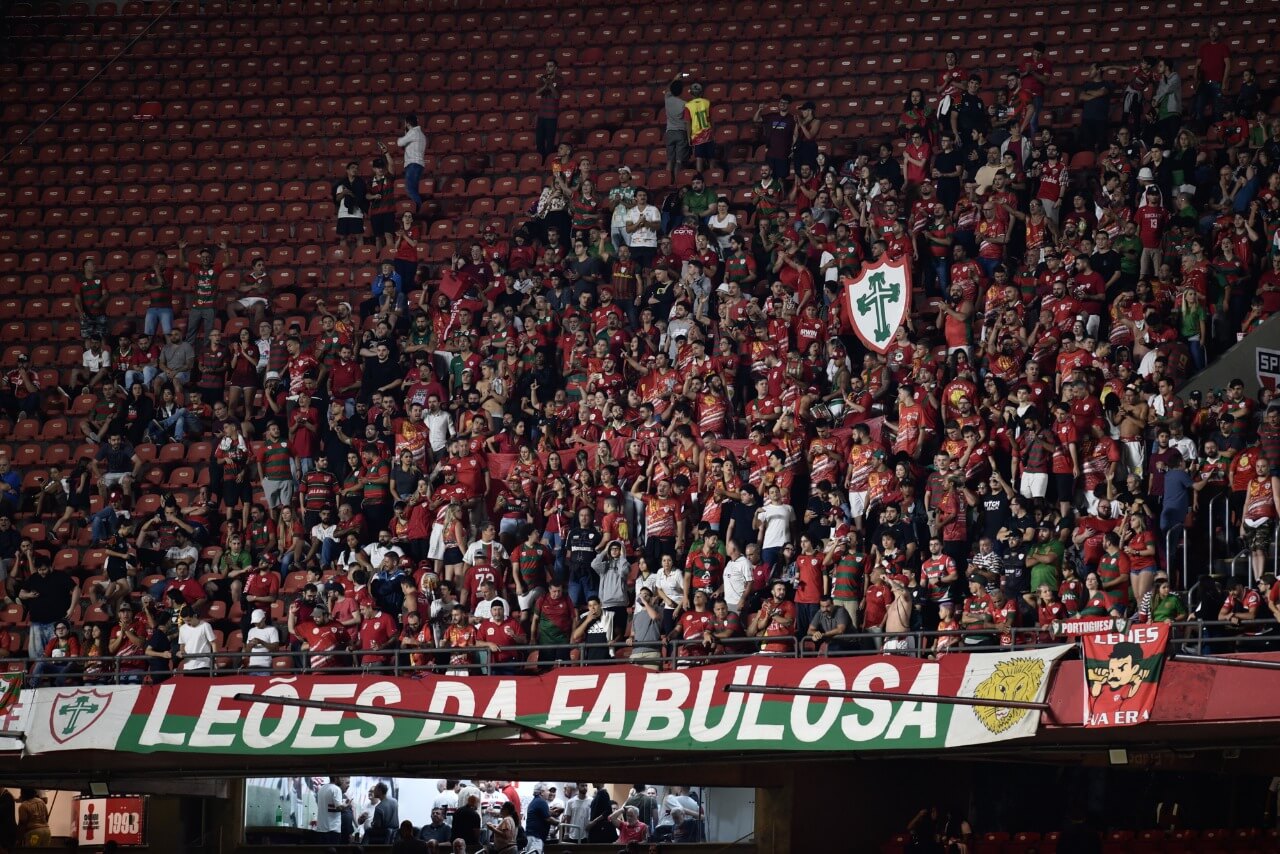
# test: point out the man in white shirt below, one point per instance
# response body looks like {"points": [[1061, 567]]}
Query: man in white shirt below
{"points": [[447, 800], [378, 550], [577, 813], [331, 800], [775, 521], [439, 425], [643, 221], [195, 641], [263, 640], [485, 596], [414, 143], [739, 573]]}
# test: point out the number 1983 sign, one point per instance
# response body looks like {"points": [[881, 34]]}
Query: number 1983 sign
{"points": [[120, 819]]}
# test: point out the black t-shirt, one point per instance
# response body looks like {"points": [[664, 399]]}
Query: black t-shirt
{"points": [[377, 374], [995, 514], [972, 116], [466, 825], [742, 516], [595, 645], [1096, 109], [948, 161], [901, 531], [1105, 264], [117, 459], [1016, 576], [159, 642], [55, 588]]}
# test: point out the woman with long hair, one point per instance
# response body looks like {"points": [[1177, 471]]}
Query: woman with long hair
{"points": [[33, 820], [455, 543], [242, 377]]}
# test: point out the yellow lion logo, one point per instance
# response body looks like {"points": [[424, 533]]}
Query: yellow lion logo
{"points": [[1015, 679]]}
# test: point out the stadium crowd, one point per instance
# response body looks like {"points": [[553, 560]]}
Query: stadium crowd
{"points": [[639, 424]]}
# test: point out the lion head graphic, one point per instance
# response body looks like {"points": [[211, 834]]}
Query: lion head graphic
{"points": [[1015, 679]]}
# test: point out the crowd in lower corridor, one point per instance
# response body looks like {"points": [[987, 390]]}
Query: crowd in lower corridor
{"points": [[466, 815], [635, 425]]}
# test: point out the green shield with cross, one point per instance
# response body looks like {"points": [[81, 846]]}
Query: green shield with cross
{"points": [[877, 300]]}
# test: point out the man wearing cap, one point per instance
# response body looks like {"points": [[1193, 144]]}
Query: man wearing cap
{"points": [[676, 137], [321, 637]]}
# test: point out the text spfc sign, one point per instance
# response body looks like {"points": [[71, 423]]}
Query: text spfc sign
{"points": [[1122, 672], [877, 300]]}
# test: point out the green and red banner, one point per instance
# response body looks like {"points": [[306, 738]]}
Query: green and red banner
{"points": [[10, 686], [624, 706], [1122, 673]]}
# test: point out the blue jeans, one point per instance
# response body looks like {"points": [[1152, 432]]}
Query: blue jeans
{"points": [[1197, 352], [1208, 95], [554, 542], [989, 265], [38, 639], [50, 671], [102, 527], [163, 317], [937, 277], [178, 423], [412, 177], [327, 548]]}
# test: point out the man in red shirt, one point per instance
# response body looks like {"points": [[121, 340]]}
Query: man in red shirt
{"points": [[1212, 69], [496, 634], [321, 638], [775, 619], [261, 588], [1035, 72], [378, 632], [191, 591]]}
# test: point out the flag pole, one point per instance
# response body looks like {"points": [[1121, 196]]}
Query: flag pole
{"points": [[388, 711], [785, 691]]}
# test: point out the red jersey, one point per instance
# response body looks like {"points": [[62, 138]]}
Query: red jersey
{"points": [[322, 642]]}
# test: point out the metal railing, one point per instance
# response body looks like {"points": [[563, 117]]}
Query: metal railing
{"points": [[1213, 637], [1168, 552], [1219, 499]]}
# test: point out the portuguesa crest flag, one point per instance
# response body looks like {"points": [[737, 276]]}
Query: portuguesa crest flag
{"points": [[1122, 673], [877, 300]]}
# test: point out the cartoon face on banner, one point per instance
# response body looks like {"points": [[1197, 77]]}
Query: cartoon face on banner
{"points": [[877, 300]]}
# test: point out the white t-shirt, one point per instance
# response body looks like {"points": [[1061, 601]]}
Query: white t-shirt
{"points": [[776, 521], [196, 643], [414, 143], [737, 581], [447, 801], [642, 583], [672, 584], [730, 222], [577, 812], [647, 237], [323, 532], [377, 553], [266, 634], [832, 273], [329, 820], [96, 361]]}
